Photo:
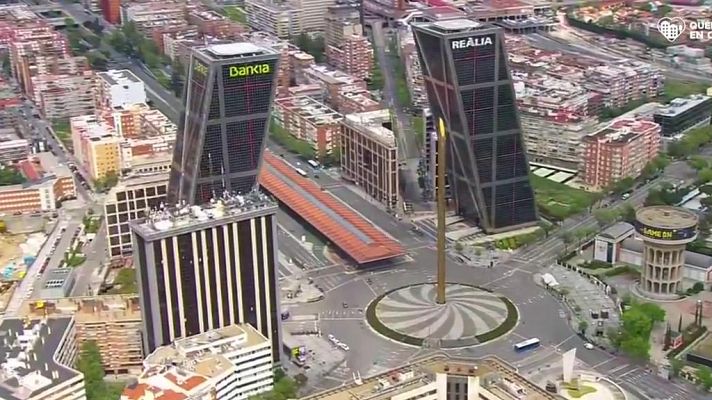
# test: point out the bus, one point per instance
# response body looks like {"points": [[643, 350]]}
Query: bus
{"points": [[301, 172], [527, 344], [313, 163]]}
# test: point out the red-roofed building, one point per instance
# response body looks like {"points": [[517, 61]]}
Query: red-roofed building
{"points": [[47, 184]]}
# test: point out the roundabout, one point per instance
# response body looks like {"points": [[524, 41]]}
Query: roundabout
{"points": [[470, 316]]}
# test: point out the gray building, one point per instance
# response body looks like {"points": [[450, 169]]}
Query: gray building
{"points": [[206, 267], [58, 283], [228, 98], [470, 89], [684, 114]]}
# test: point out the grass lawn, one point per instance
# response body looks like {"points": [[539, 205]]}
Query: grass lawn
{"points": [[125, 282], [236, 14], [63, 131], [675, 89], [559, 201], [581, 391]]}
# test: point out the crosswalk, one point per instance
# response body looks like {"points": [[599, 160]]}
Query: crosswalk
{"points": [[327, 283]]}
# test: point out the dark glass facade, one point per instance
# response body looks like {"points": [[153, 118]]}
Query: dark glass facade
{"points": [[672, 122], [221, 136], [468, 84]]}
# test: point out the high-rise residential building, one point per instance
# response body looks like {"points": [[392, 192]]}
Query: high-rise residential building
{"points": [[119, 88], [229, 363], [619, 151], [38, 357], [222, 132], [111, 11], [684, 114], [369, 155], [96, 146], [469, 87], [65, 96], [347, 48], [128, 201], [280, 18], [342, 20], [206, 267]]}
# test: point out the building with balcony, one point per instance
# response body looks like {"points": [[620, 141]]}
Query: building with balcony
{"points": [[13, 150], [65, 96], [308, 120], [38, 363], [111, 11], [113, 322], [369, 155], [119, 88], [156, 15], [619, 151], [96, 146], [215, 25], [684, 114], [279, 18], [354, 56], [229, 363]]}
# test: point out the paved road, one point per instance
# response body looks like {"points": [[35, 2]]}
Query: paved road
{"points": [[87, 281]]}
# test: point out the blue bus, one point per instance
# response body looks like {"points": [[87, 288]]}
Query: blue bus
{"points": [[527, 344]]}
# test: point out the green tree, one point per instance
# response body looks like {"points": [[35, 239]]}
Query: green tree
{"points": [[636, 347], [568, 238], [623, 185], [6, 66], [459, 246], [69, 22], [653, 311], [704, 378], [636, 323], [582, 326], [704, 176], [698, 162], [605, 216], [89, 364], [676, 366]]}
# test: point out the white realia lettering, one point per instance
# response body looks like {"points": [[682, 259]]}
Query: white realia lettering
{"points": [[471, 42]]}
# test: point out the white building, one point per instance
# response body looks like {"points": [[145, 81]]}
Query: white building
{"points": [[230, 363], [120, 88], [36, 359]]}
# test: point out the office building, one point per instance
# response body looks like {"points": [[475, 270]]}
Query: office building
{"points": [[308, 120], [119, 88], [38, 362], [111, 11], [113, 322], [229, 363], [221, 137], [441, 377], [96, 146], [619, 151], [684, 114], [486, 161], [369, 155], [47, 185], [128, 201], [206, 267]]}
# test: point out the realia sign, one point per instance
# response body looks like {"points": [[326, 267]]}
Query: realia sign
{"points": [[471, 42]]}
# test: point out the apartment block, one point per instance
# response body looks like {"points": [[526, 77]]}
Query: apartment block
{"points": [[413, 71], [128, 201], [287, 54], [555, 118], [369, 155], [13, 150], [111, 11], [354, 56], [625, 81], [135, 150], [48, 184], [216, 25], [156, 15], [96, 146], [280, 18], [119, 88], [113, 322], [684, 114], [39, 64], [65, 96], [354, 99], [29, 42], [343, 92], [308, 120], [39, 361], [619, 151], [342, 20], [229, 363]]}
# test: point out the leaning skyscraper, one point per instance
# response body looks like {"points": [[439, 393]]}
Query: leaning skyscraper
{"points": [[229, 92], [468, 83]]}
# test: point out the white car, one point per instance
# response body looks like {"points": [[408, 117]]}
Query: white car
{"points": [[344, 346], [588, 346], [331, 337]]}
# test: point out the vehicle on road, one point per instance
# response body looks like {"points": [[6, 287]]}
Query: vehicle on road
{"points": [[313, 163], [285, 315], [625, 196], [588, 346], [527, 344], [301, 172], [343, 346]]}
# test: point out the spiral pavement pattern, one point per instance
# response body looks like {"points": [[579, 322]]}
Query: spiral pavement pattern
{"points": [[468, 312]]}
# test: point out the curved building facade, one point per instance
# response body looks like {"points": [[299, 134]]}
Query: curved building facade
{"points": [[665, 231]]}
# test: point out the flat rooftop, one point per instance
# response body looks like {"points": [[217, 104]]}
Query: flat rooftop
{"points": [[666, 217], [371, 124], [93, 309], [682, 104], [24, 375], [173, 221], [234, 50], [409, 377], [359, 238], [119, 77], [453, 26]]}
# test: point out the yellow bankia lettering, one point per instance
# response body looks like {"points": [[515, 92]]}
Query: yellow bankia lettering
{"points": [[241, 71]]}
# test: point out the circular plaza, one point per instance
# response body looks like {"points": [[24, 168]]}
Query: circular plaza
{"points": [[469, 316]]}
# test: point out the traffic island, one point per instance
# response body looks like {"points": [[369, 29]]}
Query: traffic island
{"points": [[470, 316]]}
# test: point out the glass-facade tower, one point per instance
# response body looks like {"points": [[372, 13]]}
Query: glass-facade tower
{"points": [[469, 86], [228, 97]]}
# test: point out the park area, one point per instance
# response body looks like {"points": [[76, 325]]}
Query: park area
{"points": [[558, 201]]}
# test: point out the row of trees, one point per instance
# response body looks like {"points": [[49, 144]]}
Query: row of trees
{"points": [[284, 387], [90, 364], [637, 323], [691, 143]]}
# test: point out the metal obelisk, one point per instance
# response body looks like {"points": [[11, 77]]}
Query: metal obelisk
{"points": [[442, 159]]}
